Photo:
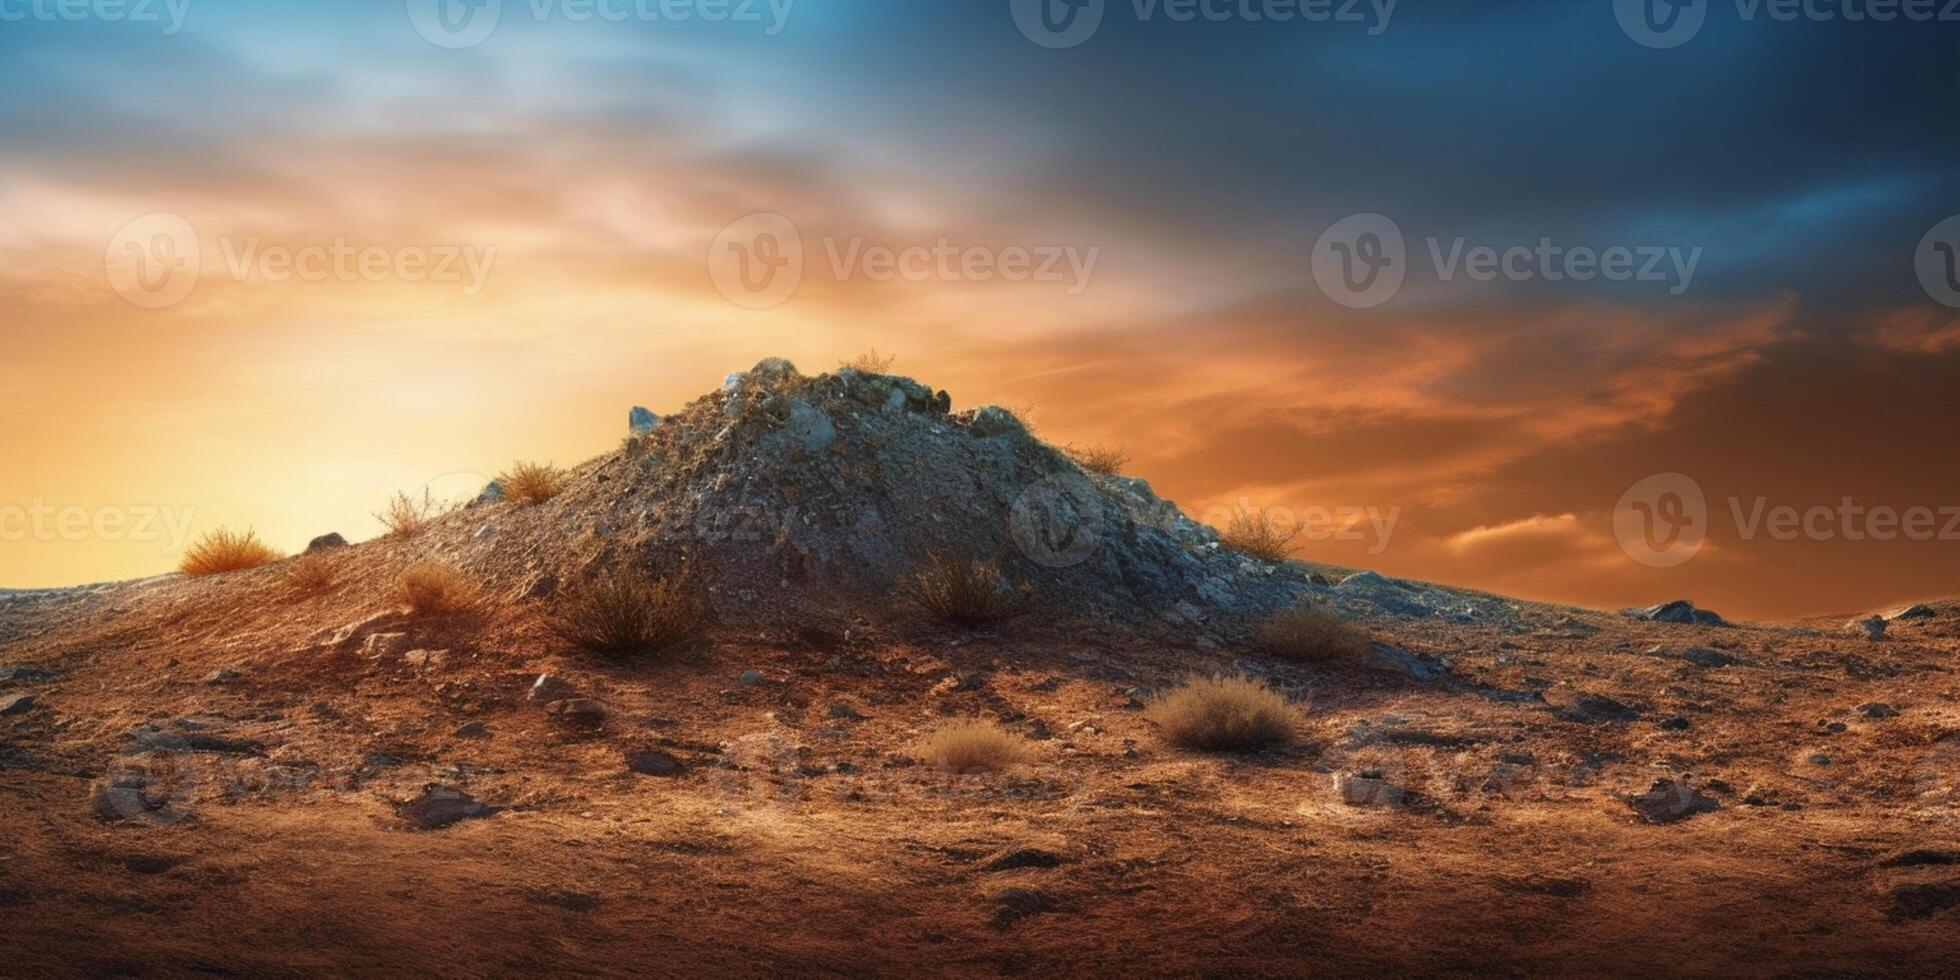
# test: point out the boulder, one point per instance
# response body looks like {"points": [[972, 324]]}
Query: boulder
{"points": [[439, 806], [492, 493], [326, 542], [1670, 801], [1877, 709], [1872, 626], [1678, 611], [1368, 788], [1915, 611], [1596, 708], [641, 422], [653, 762]]}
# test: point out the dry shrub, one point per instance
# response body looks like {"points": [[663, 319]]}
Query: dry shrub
{"points": [[625, 613], [973, 745], [965, 593], [313, 574], [407, 517], [532, 483], [1310, 634], [871, 362], [1258, 537], [1106, 460], [1223, 714], [432, 589], [225, 551]]}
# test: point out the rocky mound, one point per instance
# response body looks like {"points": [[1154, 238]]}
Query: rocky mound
{"points": [[791, 495]]}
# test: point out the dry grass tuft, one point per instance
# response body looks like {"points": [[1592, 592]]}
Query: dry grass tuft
{"points": [[225, 551], [1310, 634], [965, 593], [532, 483], [973, 745], [1258, 537], [871, 362], [313, 574], [1107, 460], [625, 613], [407, 517], [1223, 714], [432, 589]]}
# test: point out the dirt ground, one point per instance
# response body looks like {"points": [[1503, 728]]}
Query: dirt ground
{"points": [[799, 836]]}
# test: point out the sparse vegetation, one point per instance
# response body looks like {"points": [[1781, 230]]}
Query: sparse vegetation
{"points": [[408, 516], [313, 574], [223, 551], [965, 593], [532, 483], [1106, 460], [871, 362], [433, 589], [1256, 536], [973, 745], [1311, 634], [625, 613], [1223, 714]]}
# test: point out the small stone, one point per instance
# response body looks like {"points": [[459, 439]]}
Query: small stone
{"points": [[223, 675], [653, 762], [1704, 657], [493, 492], [385, 646], [1038, 730], [578, 712], [548, 688], [1878, 709], [1368, 788], [750, 678], [1915, 611], [1678, 611], [326, 542], [641, 422], [425, 658], [1675, 724], [1820, 759], [472, 729], [1023, 857], [844, 712], [1599, 708], [1670, 801], [440, 806], [16, 704], [24, 674], [1012, 904], [1872, 626]]}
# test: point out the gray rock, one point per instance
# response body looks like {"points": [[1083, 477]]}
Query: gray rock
{"points": [[1023, 857], [24, 674], [653, 762], [472, 729], [1704, 657], [1396, 660], [1671, 801], [641, 422], [843, 711], [578, 712], [223, 675], [1594, 708], [548, 688], [326, 542], [1872, 626], [1915, 611], [992, 420], [808, 427], [1675, 724], [1678, 611], [1368, 788], [17, 704], [493, 492], [1877, 709], [750, 678], [440, 806]]}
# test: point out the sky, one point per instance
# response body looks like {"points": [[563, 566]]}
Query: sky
{"points": [[1532, 297]]}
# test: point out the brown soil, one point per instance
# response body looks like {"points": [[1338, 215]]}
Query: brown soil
{"points": [[797, 840]]}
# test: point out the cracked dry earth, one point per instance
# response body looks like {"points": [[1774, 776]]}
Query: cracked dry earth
{"points": [[207, 779]]}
